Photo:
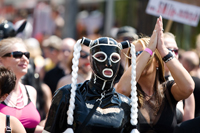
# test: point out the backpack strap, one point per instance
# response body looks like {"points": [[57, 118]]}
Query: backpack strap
{"points": [[8, 128]]}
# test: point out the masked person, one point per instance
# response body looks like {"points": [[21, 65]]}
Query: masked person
{"points": [[94, 105]]}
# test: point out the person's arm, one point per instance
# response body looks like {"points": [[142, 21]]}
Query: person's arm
{"points": [[124, 85], [64, 81], [189, 108], [38, 129], [184, 84], [48, 98], [16, 125]]}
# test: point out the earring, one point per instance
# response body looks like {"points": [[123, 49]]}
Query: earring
{"points": [[156, 68]]}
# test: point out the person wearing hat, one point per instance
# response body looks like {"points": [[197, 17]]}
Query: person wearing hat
{"points": [[127, 33]]}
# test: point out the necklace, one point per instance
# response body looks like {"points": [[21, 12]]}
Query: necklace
{"points": [[15, 101], [146, 96]]}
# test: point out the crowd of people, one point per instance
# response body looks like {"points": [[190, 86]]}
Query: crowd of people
{"points": [[100, 84]]}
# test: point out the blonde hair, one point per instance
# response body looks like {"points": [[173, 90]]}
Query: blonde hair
{"points": [[33, 47], [159, 73], [169, 35], [7, 43]]}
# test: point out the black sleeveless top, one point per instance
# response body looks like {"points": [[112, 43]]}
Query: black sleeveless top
{"points": [[165, 120]]}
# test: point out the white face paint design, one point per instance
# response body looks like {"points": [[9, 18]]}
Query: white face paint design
{"points": [[115, 57], [102, 57], [107, 72]]}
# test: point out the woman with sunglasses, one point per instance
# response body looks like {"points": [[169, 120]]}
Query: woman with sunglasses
{"points": [[157, 98], [84, 72], [21, 102], [9, 124]]}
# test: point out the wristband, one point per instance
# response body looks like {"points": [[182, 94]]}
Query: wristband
{"points": [[168, 57], [149, 51]]}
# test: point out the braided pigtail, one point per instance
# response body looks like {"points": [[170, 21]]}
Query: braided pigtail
{"points": [[75, 61], [134, 99]]}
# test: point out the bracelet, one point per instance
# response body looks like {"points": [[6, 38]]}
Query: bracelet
{"points": [[149, 51], [168, 57]]}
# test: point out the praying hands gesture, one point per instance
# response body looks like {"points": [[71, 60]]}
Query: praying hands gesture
{"points": [[184, 85], [160, 46]]}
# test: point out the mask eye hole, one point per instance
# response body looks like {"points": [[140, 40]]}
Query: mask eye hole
{"points": [[115, 57], [100, 56]]}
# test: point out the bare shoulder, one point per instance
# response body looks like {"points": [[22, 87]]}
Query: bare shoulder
{"points": [[32, 93], [46, 89], [31, 90], [66, 78], [16, 125], [64, 81]]}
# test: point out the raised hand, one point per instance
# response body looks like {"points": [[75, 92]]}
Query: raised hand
{"points": [[161, 46], [154, 37]]}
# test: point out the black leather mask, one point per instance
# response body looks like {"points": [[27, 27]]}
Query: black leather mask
{"points": [[105, 58]]}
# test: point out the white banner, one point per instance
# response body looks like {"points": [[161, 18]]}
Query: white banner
{"points": [[176, 11]]}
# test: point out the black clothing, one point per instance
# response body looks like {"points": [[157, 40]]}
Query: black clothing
{"points": [[190, 126], [165, 120], [179, 116], [197, 96], [52, 77], [8, 128], [113, 115], [119, 74]]}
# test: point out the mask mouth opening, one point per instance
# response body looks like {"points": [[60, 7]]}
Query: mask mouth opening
{"points": [[107, 72]]}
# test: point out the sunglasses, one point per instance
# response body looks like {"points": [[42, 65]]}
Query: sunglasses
{"points": [[128, 38], [174, 50], [17, 54], [84, 54], [136, 53]]}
